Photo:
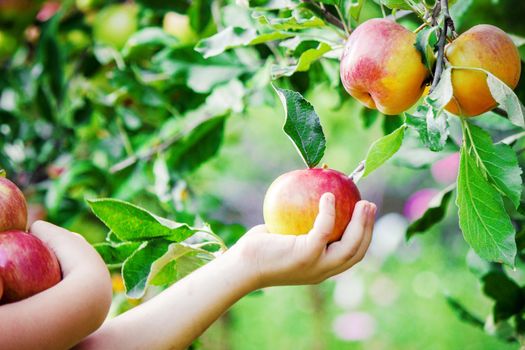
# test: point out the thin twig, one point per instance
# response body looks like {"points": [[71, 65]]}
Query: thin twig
{"points": [[440, 60], [160, 147], [330, 18], [347, 30]]}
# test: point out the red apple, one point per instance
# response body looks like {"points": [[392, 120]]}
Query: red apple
{"points": [[27, 266], [13, 207], [291, 203]]}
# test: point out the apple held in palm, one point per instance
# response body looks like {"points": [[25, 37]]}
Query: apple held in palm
{"points": [[291, 203]]}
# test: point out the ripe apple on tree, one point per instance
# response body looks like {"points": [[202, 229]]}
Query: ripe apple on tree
{"points": [[381, 67], [179, 26], [115, 24], [487, 47]]}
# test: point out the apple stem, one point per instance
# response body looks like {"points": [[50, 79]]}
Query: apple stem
{"points": [[447, 24], [356, 174]]}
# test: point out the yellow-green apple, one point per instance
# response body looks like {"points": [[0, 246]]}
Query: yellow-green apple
{"points": [[115, 24], [179, 26], [487, 47], [27, 266], [13, 207], [291, 203], [381, 67]]}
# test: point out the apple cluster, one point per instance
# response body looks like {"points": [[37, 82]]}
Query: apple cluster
{"points": [[27, 265], [382, 68]]}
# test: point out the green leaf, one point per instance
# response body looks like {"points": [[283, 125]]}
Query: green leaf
{"points": [[188, 67], [355, 9], [507, 100], [463, 314], [137, 269], [425, 42], [178, 262], [132, 223], [290, 23], [431, 125], [114, 254], [303, 64], [200, 14], [501, 164], [382, 149], [443, 92], [507, 294], [147, 38], [302, 126], [397, 4], [202, 143], [436, 211], [458, 11], [484, 222], [227, 38]]}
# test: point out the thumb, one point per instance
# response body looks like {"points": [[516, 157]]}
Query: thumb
{"points": [[324, 222]]}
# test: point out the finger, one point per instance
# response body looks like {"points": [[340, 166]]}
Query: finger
{"points": [[324, 222], [70, 248], [257, 229], [365, 243], [340, 252]]}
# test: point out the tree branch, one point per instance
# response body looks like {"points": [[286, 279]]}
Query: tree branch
{"points": [[441, 7], [330, 18]]}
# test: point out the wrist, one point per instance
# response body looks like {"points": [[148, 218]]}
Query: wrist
{"points": [[240, 273]]}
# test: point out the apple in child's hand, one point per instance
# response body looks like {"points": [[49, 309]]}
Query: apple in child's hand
{"points": [[13, 207], [291, 203], [27, 266]]}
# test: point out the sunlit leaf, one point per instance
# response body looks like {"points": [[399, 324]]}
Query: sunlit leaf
{"points": [[484, 222], [383, 149], [302, 126]]}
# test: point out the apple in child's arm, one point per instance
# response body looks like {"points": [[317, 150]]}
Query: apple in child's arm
{"points": [[13, 207], [27, 266]]}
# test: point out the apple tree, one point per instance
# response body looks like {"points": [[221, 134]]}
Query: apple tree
{"points": [[108, 108]]}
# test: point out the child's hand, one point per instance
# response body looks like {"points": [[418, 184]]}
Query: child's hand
{"points": [[286, 259]]}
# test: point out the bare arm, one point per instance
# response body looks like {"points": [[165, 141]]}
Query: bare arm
{"points": [[61, 316], [178, 315]]}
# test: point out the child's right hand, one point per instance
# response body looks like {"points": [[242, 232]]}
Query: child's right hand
{"points": [[275, 259]]}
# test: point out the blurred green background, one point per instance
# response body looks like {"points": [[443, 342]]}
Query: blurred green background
{"points": [[77, 98]]}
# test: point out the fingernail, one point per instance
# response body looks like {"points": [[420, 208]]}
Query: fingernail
{"points": [[329, 198]]}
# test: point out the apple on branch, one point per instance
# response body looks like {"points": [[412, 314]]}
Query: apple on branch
{"points": [[381, 67]]}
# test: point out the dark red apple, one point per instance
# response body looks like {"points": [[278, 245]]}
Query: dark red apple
{"points": [[291, 203], [13, 207], [27, 266]]}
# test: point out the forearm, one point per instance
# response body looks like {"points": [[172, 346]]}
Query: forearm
{"points": [[57, 318], [178, 315]]}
